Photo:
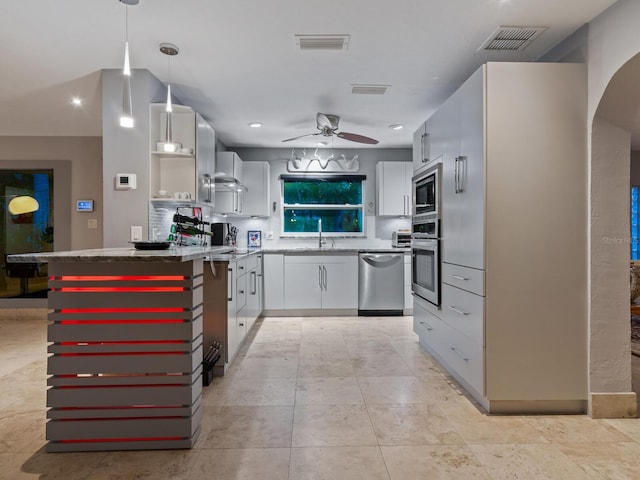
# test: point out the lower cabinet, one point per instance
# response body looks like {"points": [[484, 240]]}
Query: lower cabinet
{"points": [[320, 281], [273, 281], [231, 305], [408, 297]]}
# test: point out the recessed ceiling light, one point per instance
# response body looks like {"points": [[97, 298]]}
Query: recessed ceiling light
{"points": [[322, 144], [396, 126], [255, 124], [77, 101]]}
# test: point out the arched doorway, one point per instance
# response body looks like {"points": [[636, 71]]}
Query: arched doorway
{"points": [[615, 127]]}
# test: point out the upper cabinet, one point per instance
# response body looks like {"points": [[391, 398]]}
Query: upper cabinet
{"points": [[420, 147], [229, 187], [257, 197], [393, 188], [186, 173]]}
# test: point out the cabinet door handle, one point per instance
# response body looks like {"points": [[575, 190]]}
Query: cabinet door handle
{"points": [[208, 179], [241, 324], [458, 277], [459, 173], [455, 174], [324, 270], [240, 267], [425, 157], [255, 283], [426, 325], [230, 286], [460, 354], [320, 276], [457, 310], [241, 292]]}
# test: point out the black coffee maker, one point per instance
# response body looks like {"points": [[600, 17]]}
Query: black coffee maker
{"points": [[219, 232]]}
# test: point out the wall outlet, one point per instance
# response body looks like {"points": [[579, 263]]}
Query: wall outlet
{"points": [[92, 223], [136, 233], [270, 236]]}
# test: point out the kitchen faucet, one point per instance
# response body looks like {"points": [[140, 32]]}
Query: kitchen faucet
{"points": [[320, 241]]}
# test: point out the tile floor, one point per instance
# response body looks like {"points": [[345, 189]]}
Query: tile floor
{"points": [[319, 398]]}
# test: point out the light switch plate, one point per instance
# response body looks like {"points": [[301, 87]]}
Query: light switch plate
{"points": [[136, 233], [92, 223]]}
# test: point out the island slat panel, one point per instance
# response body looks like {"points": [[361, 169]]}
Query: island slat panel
{"points": [[125, 344]]}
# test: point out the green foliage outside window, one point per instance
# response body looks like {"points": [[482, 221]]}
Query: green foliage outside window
{"points": [[338, 203]]}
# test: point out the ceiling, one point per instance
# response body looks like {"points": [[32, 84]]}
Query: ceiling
{"points": [[238, 60]]}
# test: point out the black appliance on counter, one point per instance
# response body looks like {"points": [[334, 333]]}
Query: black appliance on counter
{"points": [[219, 232]]}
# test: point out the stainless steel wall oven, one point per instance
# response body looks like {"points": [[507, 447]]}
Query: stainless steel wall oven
{"points": [[425, 258]]}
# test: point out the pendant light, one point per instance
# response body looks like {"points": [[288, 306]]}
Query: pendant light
{"points": [[126, 118], [169, 50]]}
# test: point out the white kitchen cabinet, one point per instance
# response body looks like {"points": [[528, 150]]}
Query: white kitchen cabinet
{"points": [[257, 199], [421, 147], [178, 172], [273, 281], [393, 188], [254, 286], [229, 165], [463, 176], [511, 325], [320, 281]]}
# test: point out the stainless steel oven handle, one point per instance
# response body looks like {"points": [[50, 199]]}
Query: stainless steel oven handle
{"points": [[457, 310]]}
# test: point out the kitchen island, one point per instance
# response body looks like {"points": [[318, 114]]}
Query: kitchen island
{"points": [[125, 345]]}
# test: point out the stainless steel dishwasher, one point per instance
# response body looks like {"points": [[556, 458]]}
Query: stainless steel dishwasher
{"points": [[381, 283]]}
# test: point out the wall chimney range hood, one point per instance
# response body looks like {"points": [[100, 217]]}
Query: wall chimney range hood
{"points": [[226, 183]]}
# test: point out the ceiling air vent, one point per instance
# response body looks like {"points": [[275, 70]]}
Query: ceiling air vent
{"points": [[512, 38], [322, 42], [369, 89]]}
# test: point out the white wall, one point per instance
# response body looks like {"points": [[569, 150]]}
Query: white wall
{"points": [[85, 157], [612, 40], [126, 151]]}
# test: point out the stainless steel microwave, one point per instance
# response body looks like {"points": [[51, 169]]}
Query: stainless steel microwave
{"points": [[426, 192]]}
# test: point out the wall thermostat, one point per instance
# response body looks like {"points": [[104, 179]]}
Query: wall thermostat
{"points": [[84, 205], [125, 181]]}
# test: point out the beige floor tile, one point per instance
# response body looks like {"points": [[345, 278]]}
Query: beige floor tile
{"points": [[274, 350], [629, 426], [49, 466], [328, 391], [324, 367], [242, 464], [333, 463], [332, 425], [268, 367], [575, 428], [433, 462], [151, 464], [412, 425], [383, 365], [394, 390], [477, 428], [324, 351], [616, 461], [250, 427], [257, 391], [528, 462], [22, 431]]}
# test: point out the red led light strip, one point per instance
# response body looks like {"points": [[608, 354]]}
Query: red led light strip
{"points": [[107, 354], [119, 289], [118, 278], [108, 322], [121, 310], [104, 440], [125, 342]]}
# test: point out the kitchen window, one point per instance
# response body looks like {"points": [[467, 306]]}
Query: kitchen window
{"points": [[336, 200]]}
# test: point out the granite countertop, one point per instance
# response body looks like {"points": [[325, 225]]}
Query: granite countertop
{"points": [[130, 254], [182, 254]]}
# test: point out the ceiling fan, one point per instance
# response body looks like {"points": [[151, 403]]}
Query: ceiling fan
{"points": [[328, 124]]}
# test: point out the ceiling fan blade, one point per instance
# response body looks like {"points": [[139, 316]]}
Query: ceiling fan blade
{"points": [[354, 137], [302, 136]]}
